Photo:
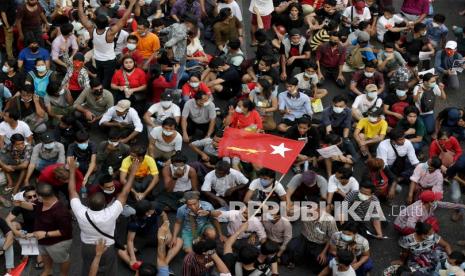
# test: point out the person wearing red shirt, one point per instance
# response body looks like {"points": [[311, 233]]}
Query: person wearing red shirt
{"points": [[194, 85], [159, 83], [130, 81], [245, 117], [131, 50], [58, 176], [106, 185], [445, 142]]}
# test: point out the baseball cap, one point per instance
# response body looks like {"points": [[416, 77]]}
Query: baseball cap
{"points": [[309, 178], [371, 88], [167, 96], [453, 116], [47, 137], [363, 37], [451, 45], [430, 196], [123, 105]]}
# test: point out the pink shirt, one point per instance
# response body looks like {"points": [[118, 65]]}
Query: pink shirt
{"points": [[427, 180], [235, 220], [415, 7], [57, 43]]}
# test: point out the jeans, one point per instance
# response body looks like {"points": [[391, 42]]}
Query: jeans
{"points": [[452, 81], [105, 71], [348, 146], [44, 163], [428, 120], [9, 254], [417, 146]]}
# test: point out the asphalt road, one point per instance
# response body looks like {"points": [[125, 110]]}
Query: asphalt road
{"points": [[382, 251]]}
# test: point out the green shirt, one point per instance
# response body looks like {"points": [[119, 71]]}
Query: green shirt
{"points": [[419, 127]]}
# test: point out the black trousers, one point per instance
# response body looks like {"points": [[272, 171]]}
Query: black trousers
{"points": [[105, 71]]}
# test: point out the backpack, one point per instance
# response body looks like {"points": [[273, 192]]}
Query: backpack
{"points": [[397, 107], [355, 58], [427, 100]]}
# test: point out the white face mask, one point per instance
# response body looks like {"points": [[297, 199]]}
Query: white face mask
{"points": [[49, 146], [5, 69], [206, 103], [338, 109], [363, 197], [165, 104], [401, 93], [424, 33], [62, 92], [41, 68], [113, 143], [109, 192], [238, 109], [194, 84], [369, 74], [372, 95], [372, 119], [167, 132], [131, 46], [268, 216]]}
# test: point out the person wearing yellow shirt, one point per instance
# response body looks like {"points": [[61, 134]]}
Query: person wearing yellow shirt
{"points": [[148, 43], [146, 177], [370, 131]]}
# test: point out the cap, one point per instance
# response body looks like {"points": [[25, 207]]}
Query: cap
{"points": [[363, 37], [167, 96], [309, 178], [451, 45], [123, 105], [453, 116], [293, 32], [430, 196], [47, 137], [371, 88]]}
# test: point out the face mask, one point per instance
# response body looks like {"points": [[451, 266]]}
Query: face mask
{"points": [[430, 237], [41, 68], [368, 74], [431, 85], [194, 84], [148, 2], [109, 192], [167, 132], [423, 33], [206, 104], [372, 95], [26, 101], [165, 104], [5, 69], [450, 52], [401, 93], [269, 217], [49, 146], [363, 197], [338, 109], [258, 90], [265, 182], [112, 5], [238, 109], [372, 119], [62, 92], [295, 43], [435, 25], [78, 64], [143, 34], [131, 46], [34, 48], [83, 146], [346, 238], [114, 144]]}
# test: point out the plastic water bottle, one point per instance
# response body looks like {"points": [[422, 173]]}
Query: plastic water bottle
{"points": [[83, 192]]}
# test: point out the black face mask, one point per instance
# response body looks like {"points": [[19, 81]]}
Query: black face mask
{"points": [[34, 48]]}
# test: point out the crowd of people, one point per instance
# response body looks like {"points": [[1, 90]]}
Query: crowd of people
{"points": [[112, 113]]}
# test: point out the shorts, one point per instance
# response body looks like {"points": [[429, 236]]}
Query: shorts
{"points": [[266, 21], [58, 252], [288, 122], [188, 237]]}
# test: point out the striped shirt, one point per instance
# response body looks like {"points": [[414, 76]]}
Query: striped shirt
{"points": [[319, 231], [364, 205]]}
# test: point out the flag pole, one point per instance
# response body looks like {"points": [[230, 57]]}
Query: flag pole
{"points": [[268, 196]]}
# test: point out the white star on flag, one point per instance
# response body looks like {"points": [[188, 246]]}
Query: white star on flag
{"points": [[281, 149]]}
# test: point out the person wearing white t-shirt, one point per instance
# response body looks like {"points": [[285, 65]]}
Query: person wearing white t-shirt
{"points": [[164, 140], [261, 187], [355, 14], [340, 184], [388, 22], [366, 101], [162, 110], [341, 265], [224, 184], [424, 95], [232, 4], [98, 221], [12, 125]]}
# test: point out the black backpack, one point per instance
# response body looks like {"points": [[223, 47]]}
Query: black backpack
{"points": [[427, 100]]}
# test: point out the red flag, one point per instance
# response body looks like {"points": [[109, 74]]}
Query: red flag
{"points": [[19, 269], [265, 150]]}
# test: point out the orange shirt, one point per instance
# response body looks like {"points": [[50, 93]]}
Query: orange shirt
{"points": [[148, 44]]}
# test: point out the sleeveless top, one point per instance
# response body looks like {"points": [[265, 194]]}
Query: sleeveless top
{"points": [[103, 50], [183, 183]]}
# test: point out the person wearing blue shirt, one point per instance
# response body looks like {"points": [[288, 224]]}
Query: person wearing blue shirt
{"points": [[436, 30], [27, 57], [293, 105], [194, 220], [444, 64]]}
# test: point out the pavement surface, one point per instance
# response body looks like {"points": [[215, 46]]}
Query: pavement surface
{"points": [[382, 251]]}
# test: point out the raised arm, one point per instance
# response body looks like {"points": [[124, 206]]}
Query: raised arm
{"points": [[232, 239], [83, 18], [72, 179], [123, 196], [122, 21]]}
